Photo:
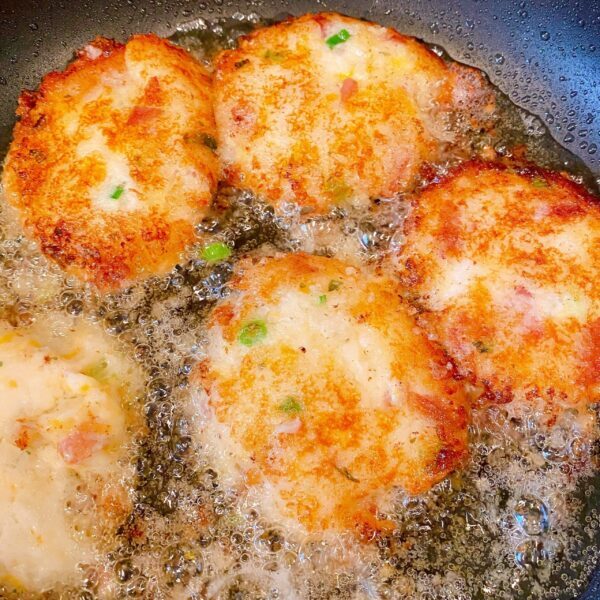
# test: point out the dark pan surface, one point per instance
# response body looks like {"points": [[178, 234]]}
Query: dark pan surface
{"points": [[545, 55]]}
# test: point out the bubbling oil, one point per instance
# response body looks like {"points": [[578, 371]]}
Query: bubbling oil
{"points": [[520, 521]]}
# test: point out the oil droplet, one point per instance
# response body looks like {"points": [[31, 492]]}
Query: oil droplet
{"points": [[530, 554], [545, 36], [367, 234], [531, 515], [499, 59]]}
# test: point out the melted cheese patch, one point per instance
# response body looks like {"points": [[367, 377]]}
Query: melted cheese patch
{"points": [[323, 395], [63, 432]]}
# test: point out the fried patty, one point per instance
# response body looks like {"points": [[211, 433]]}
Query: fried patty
{"points": [[64, 430], [321, 391], [505, 266], [325, 110], [112, 160]]}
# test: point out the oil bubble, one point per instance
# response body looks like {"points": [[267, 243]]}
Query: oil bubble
{"points": [[530, 554], [531, 514]]}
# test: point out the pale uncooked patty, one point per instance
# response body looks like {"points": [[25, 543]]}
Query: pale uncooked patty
{"points": [[64, 431]]}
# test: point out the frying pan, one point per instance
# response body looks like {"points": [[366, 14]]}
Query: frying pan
{"points": [[544, 55]]}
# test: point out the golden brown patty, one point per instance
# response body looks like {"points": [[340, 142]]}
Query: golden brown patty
{"points": [[112, 161], [325, 110], [325, 392], [505, 266], [65, 429]]}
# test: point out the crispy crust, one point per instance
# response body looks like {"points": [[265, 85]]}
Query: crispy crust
{"points": [[134, 113], [348, 420], [300, 122], [504, 265]]}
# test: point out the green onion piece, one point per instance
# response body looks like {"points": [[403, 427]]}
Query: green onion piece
{"points": [[118, 192], [344, 471], [97, 370], [338, 190], [481, 346], [538, 182], [273, 55], [215, 252], [209, 141], [252, 333], [322, 299], [339, 38], [290, 406], [334, 284]]}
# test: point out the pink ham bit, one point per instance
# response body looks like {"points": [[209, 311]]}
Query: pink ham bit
{"points": [[521, 290], [243, 116], [141, 115], [523, 304], [590, 355], [322, 21], [79, 445], [348, 89], [92, 52], [292, 426], [388, 401], [541, 212]]}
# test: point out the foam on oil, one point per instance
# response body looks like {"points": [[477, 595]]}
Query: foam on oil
{"points": [[521, 520]]}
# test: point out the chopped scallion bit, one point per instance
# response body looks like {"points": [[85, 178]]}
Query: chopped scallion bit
{"points": [[334, 284], [290, 406], [339, 38], [274, 55], [339, 190], [117, 192], [215, 252], [481, 346], [538, 182], [252, 333], [209, 141], [344, 471], [97, 370], [322, 299]]}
